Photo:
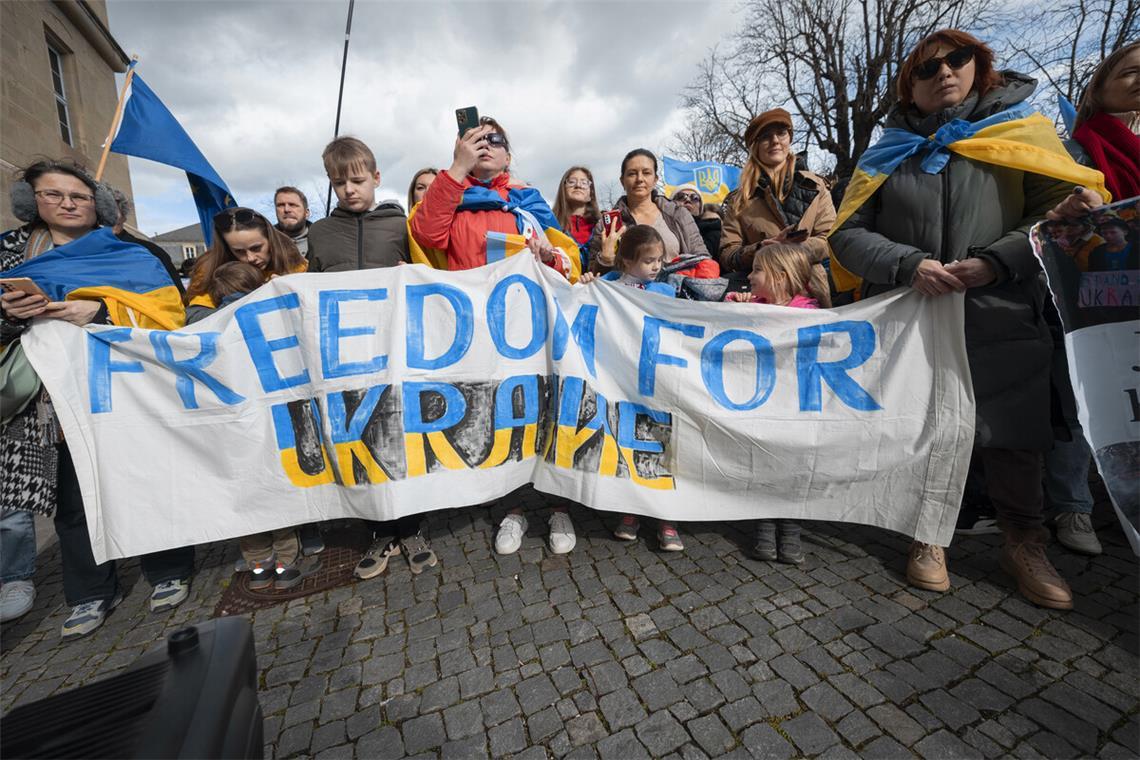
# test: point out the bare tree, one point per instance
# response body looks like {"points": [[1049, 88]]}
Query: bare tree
{"points": [[1063, 44], [832, 63]]}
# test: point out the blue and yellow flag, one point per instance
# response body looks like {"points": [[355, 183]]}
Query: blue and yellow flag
{"points": [[1017, 138], [714, 180], [532, 215], [149, 130], [128, 278]]}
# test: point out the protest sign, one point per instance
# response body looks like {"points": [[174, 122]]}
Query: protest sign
{"points": [[382, 393], [1093, 266]]}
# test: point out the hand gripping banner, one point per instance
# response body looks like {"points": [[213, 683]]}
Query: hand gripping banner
{"points": [[383, 393]]}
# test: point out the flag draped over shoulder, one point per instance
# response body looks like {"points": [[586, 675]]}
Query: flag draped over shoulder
{"points": [[1016, 138], [149, 130], [128, 278], [532, 215], [714, 180]]}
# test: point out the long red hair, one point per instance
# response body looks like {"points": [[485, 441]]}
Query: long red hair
{"points": [[985, 76]]}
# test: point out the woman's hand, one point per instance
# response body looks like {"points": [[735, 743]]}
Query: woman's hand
{"points": [[1078, 203], [608, 255], [932, 279], [541, 248], [973, 273], [76, 312], [468, 149], [587, 278], [19, 305], [781, 236]]}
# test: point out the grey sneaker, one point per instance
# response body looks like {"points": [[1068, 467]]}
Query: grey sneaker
{"points": [[85, 618], [16, 599], [168, 595], [1075, 531]]}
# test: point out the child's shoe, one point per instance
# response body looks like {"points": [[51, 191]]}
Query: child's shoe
{"points": [[626, 528], [670, 539]]}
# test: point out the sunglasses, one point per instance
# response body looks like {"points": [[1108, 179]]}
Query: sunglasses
{"points": [[497, 139], [687, 198], [226, 220], [955, 59]]}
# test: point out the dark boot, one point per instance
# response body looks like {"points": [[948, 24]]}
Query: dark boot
{"points": [[764, 541], [788, 542]]}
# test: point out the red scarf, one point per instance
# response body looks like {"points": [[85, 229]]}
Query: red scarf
{"points": [[1115, 151]]}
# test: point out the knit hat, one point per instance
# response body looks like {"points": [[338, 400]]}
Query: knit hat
{"points": [[686, 186], [756, 126]]}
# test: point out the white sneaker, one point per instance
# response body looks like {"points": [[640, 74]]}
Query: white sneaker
{"points": [[511, 531], [16, 599], [562, 538]]}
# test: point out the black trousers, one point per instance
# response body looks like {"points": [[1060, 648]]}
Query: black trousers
{"points": [[405, 527], [84, 580]]}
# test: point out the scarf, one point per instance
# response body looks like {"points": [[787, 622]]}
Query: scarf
{"points": [[1115, 151]]}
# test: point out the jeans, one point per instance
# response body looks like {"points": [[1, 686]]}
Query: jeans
{"points": [[84, 580], [1067, 474], [17, 546]]}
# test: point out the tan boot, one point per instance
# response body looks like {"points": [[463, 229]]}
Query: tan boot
{"points": [[926, 567], [1038, 581]]}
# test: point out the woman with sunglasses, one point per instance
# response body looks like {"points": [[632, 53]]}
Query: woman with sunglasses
{"points": [[242, 234], [576, 207], [961, 226], [778, 201], [61, 203]]}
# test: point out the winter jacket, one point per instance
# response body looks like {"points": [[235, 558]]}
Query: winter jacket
{"points": [[710, 230], [347, 240], [680, 223], [807, 206], [971, 209], [462, 235]]}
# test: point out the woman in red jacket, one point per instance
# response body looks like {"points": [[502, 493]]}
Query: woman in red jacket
{"points": [[459, 209]]}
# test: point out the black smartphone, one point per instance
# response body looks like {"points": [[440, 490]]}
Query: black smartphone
{"points": [[466, 118], [796, 236]]}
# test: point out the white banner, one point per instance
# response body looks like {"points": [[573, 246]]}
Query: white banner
{"points": [[382, 393]]}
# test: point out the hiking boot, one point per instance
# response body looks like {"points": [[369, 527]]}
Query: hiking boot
{"points": [[1075, 531], [418, 553], [375, 560], [926, 567], [788, 543], [16, 599], [510, 535], [627, 528], [168, 595], [1037, 579], [764, 542], [562, 538], [87, 617]]}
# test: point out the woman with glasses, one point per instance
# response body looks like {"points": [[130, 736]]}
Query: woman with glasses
{"points": [[61, 204], [241, 234], [941, 222], [778, 201], [642, 204], [707, 217], [576, 207]]}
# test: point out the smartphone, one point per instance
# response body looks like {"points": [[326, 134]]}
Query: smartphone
{"points": [[611, 221], [796, 236], [22, 285], [466, 118]]}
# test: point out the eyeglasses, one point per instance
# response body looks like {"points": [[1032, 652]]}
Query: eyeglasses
{"points": [[582, 183], [777, 132], [224, 221], [955, 59], [55, 197], [687, 198], [498, 140]]}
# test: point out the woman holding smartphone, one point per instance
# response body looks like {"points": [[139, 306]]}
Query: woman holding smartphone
{"points": [[778, 201]]}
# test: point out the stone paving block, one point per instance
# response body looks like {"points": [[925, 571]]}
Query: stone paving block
{"points": [[809, 733], [826, 701], [709, 732], [536, 693], [1078, 733], [329, 735], [498, 706], [741, 713], [776, 698], [886, 748], [507, 738], [946, 744], [621, 709], [657, 689], [544, 724], [897, 723], [793, 671], [855, 728], [622, 745], [763, 741], [953, 712], [857, 690], [585, 729]]}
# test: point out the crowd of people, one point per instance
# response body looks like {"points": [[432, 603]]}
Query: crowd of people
{"points": [[959, 228]]}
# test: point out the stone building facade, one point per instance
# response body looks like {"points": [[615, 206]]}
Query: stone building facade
{"points": [[58, 62]]}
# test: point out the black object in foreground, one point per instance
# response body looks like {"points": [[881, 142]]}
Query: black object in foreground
{"points": [[195, 697]]}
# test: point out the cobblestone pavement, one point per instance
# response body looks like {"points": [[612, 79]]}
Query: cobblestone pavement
{"points": [[620, 651]]}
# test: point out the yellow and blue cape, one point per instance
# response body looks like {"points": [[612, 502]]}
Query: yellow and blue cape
{"points": [[1017, 138], [128, 278], [531, 213]]}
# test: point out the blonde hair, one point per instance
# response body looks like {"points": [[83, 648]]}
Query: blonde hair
{"points": [[791, 262], [753, 170], [344, 154]]}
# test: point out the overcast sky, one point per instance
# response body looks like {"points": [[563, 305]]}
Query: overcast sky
{"points": [[255, 85]]}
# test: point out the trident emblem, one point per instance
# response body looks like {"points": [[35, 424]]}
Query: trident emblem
{"points": [[708, 179]]}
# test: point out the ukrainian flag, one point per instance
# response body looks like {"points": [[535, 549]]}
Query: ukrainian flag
{"points": [[533, 216], [1017, 138], [128, 278], [714, 180]]}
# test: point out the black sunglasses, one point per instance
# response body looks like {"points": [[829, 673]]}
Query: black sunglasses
{"points": [[494, 138], [687, 198], [955, 59], [224, 221]]}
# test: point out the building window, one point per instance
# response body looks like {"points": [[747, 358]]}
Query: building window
{"points": [[56, 59], [189, 251]]}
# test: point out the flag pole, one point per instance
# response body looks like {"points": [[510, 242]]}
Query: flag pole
{"points": [[340, 94], [115, 120]]}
